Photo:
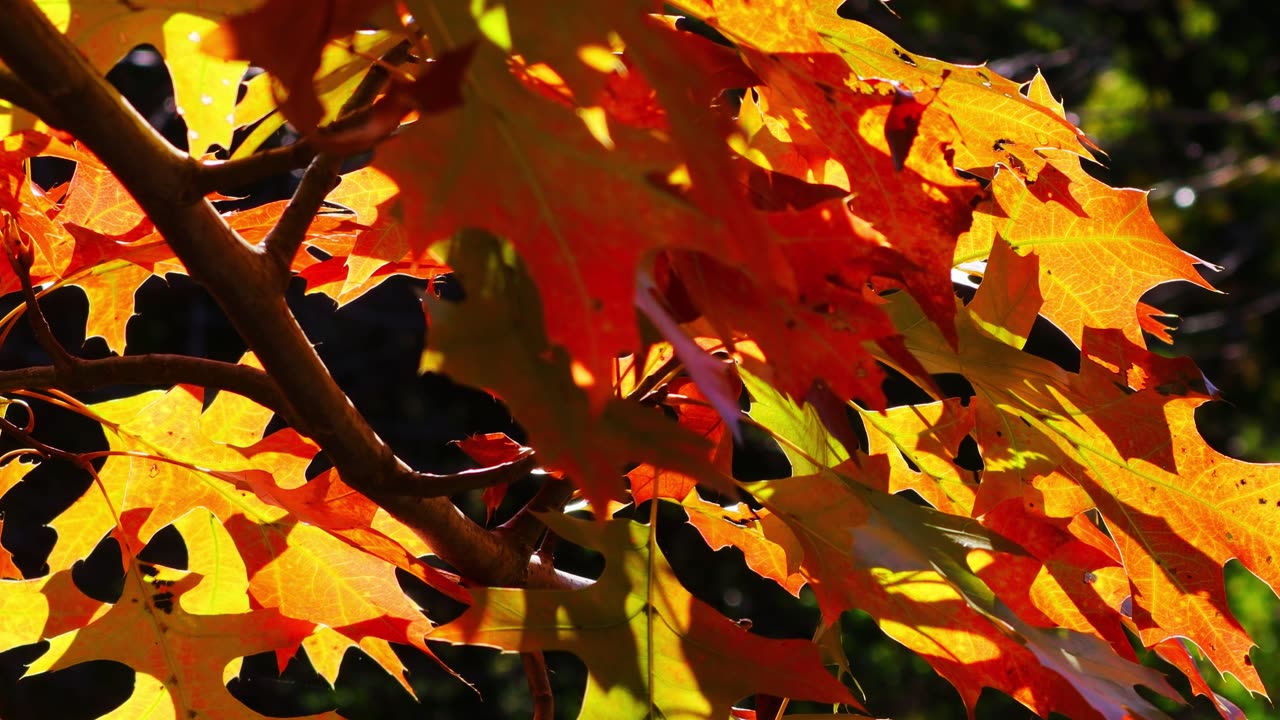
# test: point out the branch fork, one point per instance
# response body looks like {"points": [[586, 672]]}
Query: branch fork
{"points": [[246, 280]]}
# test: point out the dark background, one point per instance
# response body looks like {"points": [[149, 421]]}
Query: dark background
{"points": [[1183, 96]]}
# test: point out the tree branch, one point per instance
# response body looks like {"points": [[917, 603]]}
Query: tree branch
{"points": [[226, 177], [424, 484], [245, 283], [524, 528], [283, 241], [535, 670], [158, 369], [19, 93]]}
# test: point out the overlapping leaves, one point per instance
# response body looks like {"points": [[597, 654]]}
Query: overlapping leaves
{"points": [[797, 199]]}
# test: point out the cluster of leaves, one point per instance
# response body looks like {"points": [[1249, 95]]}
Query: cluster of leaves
{"points": [[650, 218]]}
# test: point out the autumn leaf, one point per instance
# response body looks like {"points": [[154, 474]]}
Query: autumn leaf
{"points": [[179, 639], [489, 450], [494, 339], [353, 592], [43, 608], [650, 647], [922, 443], [179, 656], [1121, 436], [343, 65], [1070, 220], [770, 549], [988, 107], [694, 412], [330, 505], [204, 87], [11, 473], [159, 482], [907, 566], [506, 158], [286, 38]]}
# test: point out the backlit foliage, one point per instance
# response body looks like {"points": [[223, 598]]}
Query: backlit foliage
{"points": [[649, 215]]}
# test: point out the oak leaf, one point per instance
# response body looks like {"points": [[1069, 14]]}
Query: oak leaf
{"points": [[182, 635], [205, 88], [650, 647], [494, 339]]}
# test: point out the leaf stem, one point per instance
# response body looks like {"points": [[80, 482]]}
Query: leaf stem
{"points": [[18, 244], [649, 609]]}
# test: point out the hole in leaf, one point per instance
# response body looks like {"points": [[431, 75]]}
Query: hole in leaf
{"points": [[1048, 342], [910, 463], [436, 605], [299, 690], [166, 548], [81, 692], [101, 575], [969, 457], [319, 464]]}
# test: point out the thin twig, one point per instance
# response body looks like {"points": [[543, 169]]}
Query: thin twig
{"points": [[63, 363], [535, 670], [46, 451], [321, 176], [424, 484], [225, 177], [247, 288]]}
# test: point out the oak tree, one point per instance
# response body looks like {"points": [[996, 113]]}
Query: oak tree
{"points": [[670, 228]]}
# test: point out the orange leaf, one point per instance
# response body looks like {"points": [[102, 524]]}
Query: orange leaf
{"points": [[180, 656], [767, 544], [693, 411], [11, 473], [1073, 223], [489, 450], [151, 492], [351, 591], [1121, 436]]}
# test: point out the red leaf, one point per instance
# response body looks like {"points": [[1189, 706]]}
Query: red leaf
{"points": [[286, 37], [489, 450]]}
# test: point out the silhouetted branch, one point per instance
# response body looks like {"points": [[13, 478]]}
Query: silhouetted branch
{"points": [[535, 669], [154, 370], [246, 285], [225, 177], [282, 243], [19, 93], [423, 484]]}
